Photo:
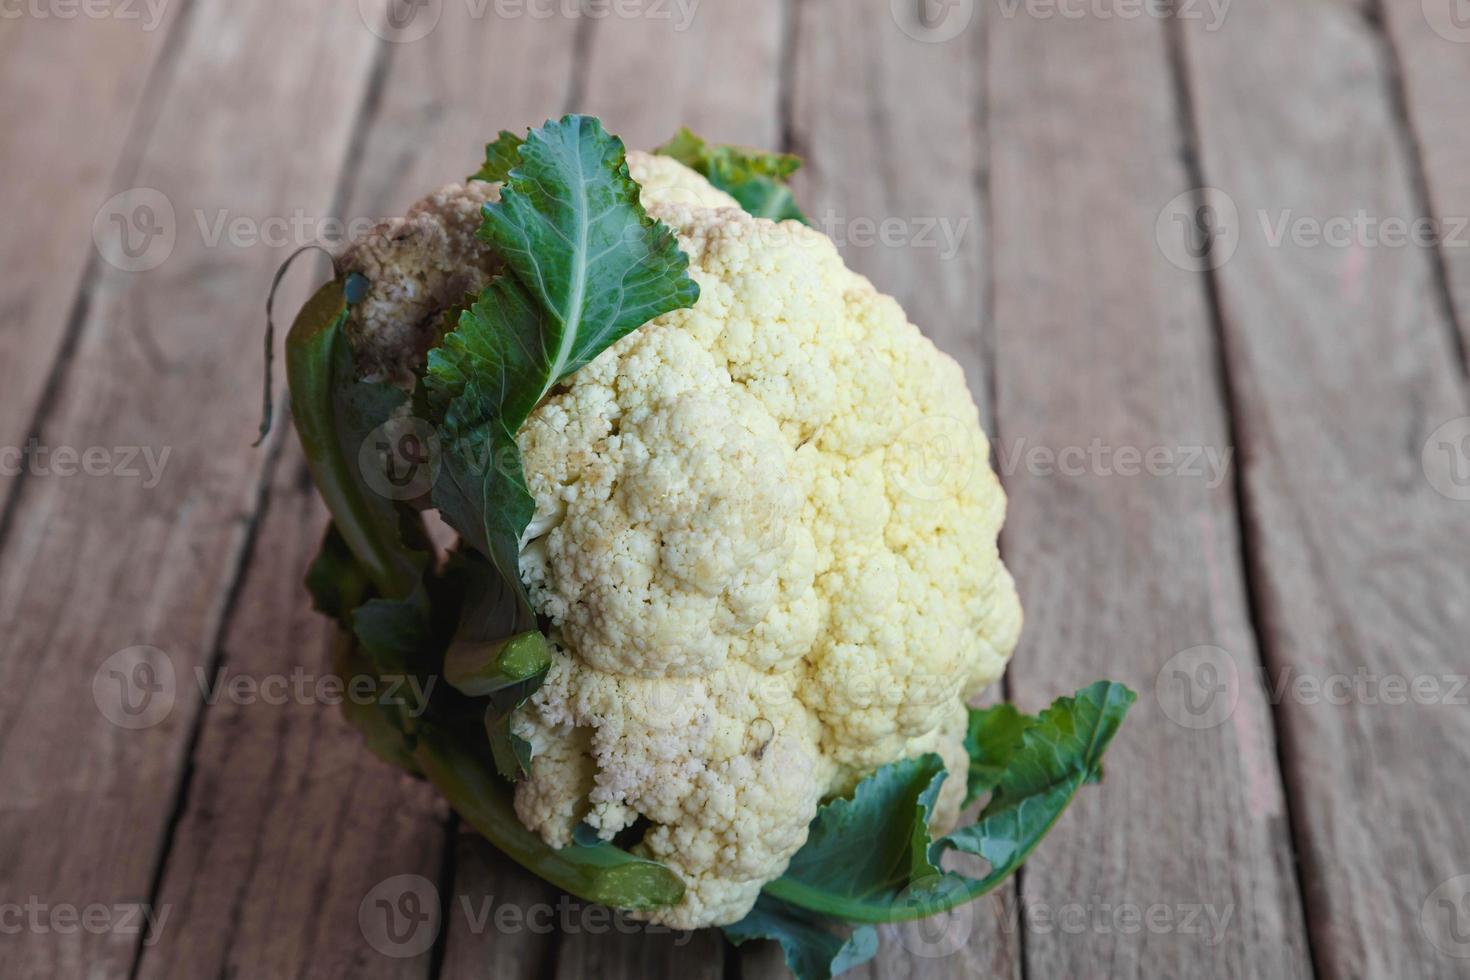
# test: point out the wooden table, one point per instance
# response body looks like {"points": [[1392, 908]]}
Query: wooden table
{"points": [[1235, 441]]}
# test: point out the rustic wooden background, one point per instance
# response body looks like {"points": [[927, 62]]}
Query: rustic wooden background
{"points": [[1255, 830]]}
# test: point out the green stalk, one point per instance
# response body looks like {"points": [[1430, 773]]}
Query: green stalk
{"points": [[599, 873], [313, 362], [950, 892]]}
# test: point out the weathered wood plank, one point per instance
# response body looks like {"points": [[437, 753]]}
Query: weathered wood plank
{"points": [[637, 952], [1342, 369], [94, 565], [890, 128], [60, 145], [1431, 42], [448, 93], [1179, 864], [714, 67], [291, 829], [502, 921], [430, 129]]}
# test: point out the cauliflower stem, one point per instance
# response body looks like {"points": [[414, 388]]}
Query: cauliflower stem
{"points": [[726, 576]]}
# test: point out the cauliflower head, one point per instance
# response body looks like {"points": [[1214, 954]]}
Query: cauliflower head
{"points": [[765, 543]]}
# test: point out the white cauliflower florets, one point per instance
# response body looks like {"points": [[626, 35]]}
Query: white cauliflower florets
{"points": [[765, 539]]}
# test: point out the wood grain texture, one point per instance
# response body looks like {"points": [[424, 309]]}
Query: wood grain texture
{"points": [[1431, 46], [58, 176], [1341, 367], [716, 70], [639, 953], [1103, 343], [447, 94], [94, 565], [291, 828], [502, 922], [891, 131]]}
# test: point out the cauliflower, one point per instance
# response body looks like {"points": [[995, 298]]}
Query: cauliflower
{"points": [[420, 265], [726, 575], [764, 540]]}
